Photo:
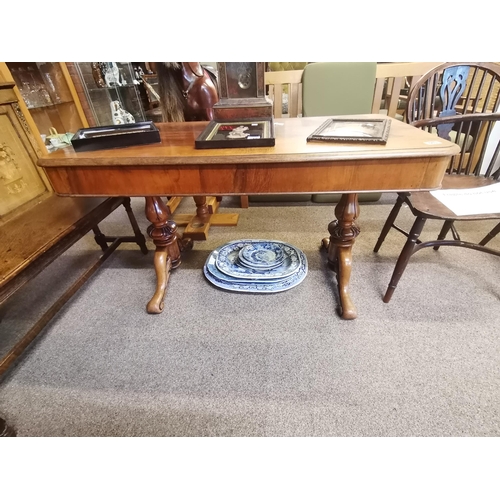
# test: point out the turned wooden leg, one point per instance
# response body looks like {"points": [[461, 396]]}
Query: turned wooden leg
{"points": [[202, 211], [389, 222], [343, 232], [404, 257], [490, 235], [140, 240], [168, 248]]}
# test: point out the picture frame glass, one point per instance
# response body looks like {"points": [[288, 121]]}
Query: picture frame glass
{"points": [[376, 130], [229, 131], [245, 133]]}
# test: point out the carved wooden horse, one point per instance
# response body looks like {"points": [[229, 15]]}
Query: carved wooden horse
{"points": [[187, 93]]}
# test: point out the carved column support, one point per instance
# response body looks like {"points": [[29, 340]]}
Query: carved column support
{"points": [[168, 248], [162, 230], [343, 233]]}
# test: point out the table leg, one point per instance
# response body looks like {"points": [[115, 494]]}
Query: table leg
{"points": [[343, 232], [198, 225], [5, 430], [168, 248]]}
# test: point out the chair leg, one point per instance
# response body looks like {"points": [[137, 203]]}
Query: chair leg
{"points": [[404, 257], [140, 239], [490, 235], [444, 231], [389, 222]]}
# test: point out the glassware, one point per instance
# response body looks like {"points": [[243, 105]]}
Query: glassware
{"points": [[47, 71]]}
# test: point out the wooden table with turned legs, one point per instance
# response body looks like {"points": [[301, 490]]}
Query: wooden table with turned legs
{"points": [[411, 160]]}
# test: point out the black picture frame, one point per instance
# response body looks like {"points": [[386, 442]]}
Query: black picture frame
{"points": [[374, 131], [259, 133], [115, 136]]}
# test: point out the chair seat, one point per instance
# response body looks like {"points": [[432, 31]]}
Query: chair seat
{"points": [[425, 204]]}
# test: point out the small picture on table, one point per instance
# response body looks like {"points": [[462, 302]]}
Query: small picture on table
{"points": [[375, 131], [231, 131], [246, 133]]}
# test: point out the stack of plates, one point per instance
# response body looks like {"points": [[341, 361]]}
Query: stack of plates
{"points": [[256, 266]]}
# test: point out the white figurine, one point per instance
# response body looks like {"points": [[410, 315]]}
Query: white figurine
{"points": [[120, 116], [112, 75]]}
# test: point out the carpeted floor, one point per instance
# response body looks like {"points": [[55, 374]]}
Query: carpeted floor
{"points": [[217, 363]]}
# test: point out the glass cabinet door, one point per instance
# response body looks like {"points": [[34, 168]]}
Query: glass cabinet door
{"points": [[112, 92], [49, 95]]}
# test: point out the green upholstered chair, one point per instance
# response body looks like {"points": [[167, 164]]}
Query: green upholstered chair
{"points": [[338, 88]]}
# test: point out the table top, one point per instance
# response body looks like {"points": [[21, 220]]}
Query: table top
{"points": [[177, 147], [411, 160]]}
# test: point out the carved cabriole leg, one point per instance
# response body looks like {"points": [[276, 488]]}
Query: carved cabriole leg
{"points": [[343, 232], [168, 248]]}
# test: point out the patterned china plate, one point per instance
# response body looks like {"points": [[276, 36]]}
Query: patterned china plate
{"points": [[262, 255], [226, 260], [241, 262], [220, 280]]}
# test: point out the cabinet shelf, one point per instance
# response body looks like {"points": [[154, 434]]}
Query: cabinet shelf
{"points": [[48, 97], [117, 87], [102, 102], [53, 105]]}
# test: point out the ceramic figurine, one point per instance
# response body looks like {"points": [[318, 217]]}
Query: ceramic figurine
{"points": [[112, 75], [120, 116]]}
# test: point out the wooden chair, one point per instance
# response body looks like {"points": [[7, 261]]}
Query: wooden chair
{"points": [[285, 83], [458, 102]]}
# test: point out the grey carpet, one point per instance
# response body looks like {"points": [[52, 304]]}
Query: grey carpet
{"points": [[217, 363]]}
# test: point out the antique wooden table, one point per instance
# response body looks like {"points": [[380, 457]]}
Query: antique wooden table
{"points": [[412, 160]]}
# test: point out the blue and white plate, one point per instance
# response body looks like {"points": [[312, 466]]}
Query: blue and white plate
{"points": [[227, 261], [262, 254], [251, 266], [214, 275]]}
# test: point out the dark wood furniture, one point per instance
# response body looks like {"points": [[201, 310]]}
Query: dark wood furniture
{"points": [[33, 240], [36, 225], [293, 165], [459, 102]]}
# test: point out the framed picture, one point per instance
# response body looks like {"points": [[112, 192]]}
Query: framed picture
{"points": [[115, 136], [237, 134], [353, 130]]}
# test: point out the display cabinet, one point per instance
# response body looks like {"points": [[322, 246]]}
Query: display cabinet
{"points": [[46, 95], [111, 91], [21, 181]]}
